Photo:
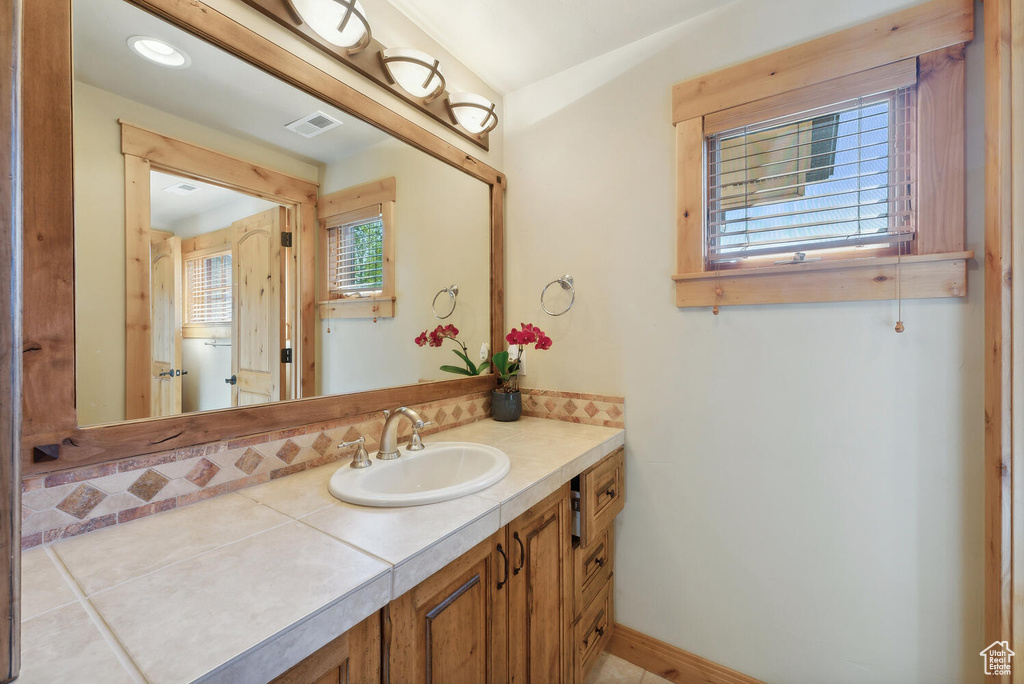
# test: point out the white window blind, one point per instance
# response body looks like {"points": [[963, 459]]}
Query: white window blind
{"points": [[841, 176], [208, 279], [355, 249]]}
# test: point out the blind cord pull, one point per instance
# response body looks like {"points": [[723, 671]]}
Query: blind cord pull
{"points": [[899, 291]]}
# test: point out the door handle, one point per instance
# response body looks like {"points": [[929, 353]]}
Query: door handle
{"points": [[232, 380], [522, 553]]}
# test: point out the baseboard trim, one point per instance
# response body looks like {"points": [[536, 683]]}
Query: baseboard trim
{"points": [[665, 660]]}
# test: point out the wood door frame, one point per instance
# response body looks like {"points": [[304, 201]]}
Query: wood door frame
{"points": [[48, 403], [1004, 325], [144, 151], [10, 338]]}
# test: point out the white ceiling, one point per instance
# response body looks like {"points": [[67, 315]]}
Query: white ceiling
{"points": [[512, 44], [218, 91], [167, 209]]}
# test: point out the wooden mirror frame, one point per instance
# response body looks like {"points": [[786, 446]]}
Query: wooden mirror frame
{"points": [[51, 437]]}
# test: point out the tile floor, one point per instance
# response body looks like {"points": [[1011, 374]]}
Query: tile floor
{"points": [[612, 670]]}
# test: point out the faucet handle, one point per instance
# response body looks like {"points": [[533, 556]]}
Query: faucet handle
{"points": [[361, 459], [415, 443]]}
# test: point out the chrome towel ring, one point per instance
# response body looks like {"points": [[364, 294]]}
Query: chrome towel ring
{"points": [[567, 284], [453, 292]]}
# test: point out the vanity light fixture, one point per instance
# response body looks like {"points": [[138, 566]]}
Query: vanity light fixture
{"points": [[340, 22], [159, 52], [473, 112], [415, 72]]}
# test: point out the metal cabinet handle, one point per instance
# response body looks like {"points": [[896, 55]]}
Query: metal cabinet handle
{"points": [[522, 553], [610, 492], [169, 374], [504, 557], [232, 380], [597, 630]]}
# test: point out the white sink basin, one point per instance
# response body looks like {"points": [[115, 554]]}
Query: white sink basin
{"points": [[442, 471]]}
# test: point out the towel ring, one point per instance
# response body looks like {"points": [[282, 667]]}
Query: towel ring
{"points": [[453, 292], [567, 284]]}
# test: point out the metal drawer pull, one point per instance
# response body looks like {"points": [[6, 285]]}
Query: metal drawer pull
{"points": [[522, 553], [597, 630], [610, 492], [504, 557]]}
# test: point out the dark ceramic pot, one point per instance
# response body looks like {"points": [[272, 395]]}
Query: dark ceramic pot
{"points": [[506, 406]]}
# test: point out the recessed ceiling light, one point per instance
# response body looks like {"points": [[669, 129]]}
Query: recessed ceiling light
{"points": [[159, 52]]}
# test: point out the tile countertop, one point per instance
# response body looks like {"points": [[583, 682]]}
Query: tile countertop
{"points": [[243, 586]]}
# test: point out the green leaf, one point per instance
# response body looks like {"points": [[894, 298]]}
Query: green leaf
{"points": [[458, 370], [484, 365], [501, 363], [469, 364]]}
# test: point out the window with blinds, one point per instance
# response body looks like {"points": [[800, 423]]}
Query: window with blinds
{"points": [[837, 177], [208, 282], [355, 251]]}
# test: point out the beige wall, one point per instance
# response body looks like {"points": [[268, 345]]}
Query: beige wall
{"points": [[442, 237], [99, 234], [804, 489]]}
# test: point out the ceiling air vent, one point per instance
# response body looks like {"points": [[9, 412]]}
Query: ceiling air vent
{"points": [[182, 188], [313, 125]]}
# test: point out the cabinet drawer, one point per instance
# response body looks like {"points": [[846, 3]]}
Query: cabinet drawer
{"points": [[592, 632], [593, 567], [602, 496]]}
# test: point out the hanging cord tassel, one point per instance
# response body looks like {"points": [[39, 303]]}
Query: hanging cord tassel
{"points": [[899, 290], [718, 292]]}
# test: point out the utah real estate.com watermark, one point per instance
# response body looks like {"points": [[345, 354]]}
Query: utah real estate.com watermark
{"points": [[997, 658]]}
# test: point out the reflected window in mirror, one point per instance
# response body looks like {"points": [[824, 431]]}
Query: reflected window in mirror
{"points": [[355, 250], [208, 279], [358, 247]]}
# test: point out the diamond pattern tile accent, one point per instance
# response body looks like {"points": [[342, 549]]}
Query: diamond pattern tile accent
{"points": [[249, 461], [288, 452], [148, 485], [591, 410], [570, 407], [550, 405], [84, 499], [81, 501], [613, 412], [203, 472], [322, 443]]}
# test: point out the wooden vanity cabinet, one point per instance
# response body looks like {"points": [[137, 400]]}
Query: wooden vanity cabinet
{"points": [[540, 596], [353, 657], [452, 627], [530, 605], [601, 497]]}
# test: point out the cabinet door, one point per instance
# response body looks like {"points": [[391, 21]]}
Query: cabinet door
{"points": [[451, 628], [355, 656], [540, 599]]}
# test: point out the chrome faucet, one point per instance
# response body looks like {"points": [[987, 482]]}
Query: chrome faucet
{"points": [[389, 438]]}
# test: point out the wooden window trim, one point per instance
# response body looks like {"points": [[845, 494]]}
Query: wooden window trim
{"points": [[866, 58], [383, 192], [48, 412]]}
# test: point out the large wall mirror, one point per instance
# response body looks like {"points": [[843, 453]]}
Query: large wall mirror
{"points": [[241, 241]]}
